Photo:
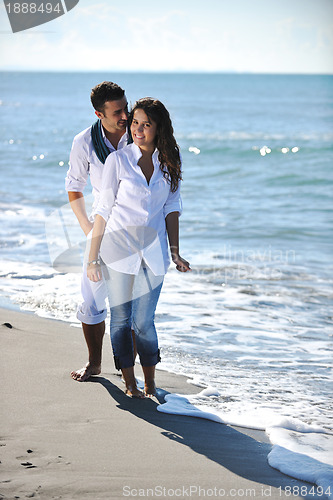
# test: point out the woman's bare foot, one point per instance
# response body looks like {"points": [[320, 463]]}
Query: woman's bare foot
{"points": [[150, 389], [134, 392], [132, 389], [85, 372]]}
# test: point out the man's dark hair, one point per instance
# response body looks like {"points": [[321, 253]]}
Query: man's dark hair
{"points": [[104, 92]]}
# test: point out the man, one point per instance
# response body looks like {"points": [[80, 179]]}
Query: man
{"points": [[89, 151]]}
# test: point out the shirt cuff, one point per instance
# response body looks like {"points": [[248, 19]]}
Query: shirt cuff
{"points": [[74, 185], [173, 207], [102, 213]]}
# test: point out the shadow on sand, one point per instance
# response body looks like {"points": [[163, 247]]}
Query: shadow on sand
{"points": [[220, 443]]}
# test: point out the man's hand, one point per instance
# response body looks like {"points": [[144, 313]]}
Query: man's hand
{"points": [[77, 202]]}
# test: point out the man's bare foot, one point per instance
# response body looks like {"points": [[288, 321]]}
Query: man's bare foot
{"points": [[150, 389], [85, 372]]}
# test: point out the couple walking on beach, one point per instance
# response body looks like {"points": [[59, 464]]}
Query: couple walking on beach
{"points": [[134, 166]]}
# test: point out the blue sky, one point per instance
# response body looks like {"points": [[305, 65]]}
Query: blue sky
{"points": [[265, 36]]}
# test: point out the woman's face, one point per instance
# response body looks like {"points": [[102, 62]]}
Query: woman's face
{"points": [[143, 130]]}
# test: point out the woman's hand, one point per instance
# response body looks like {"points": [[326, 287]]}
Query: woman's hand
{"points": [[172, 227], [181, 264], [94, 272]]}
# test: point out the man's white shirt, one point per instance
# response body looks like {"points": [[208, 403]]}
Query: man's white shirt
{"points": [[84, 163]]}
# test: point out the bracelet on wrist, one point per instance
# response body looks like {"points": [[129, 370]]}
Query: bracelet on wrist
{"points": [[96, 262]]}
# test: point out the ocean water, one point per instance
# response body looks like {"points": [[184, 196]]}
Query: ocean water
{"points": [[251, 325]]}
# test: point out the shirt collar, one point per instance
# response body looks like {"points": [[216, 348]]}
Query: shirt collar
{"points": [[124, 138], [108, 143], [136, 151], [156, 161]]}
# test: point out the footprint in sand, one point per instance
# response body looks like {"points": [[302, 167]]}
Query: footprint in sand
{"points": [[28, 465]]}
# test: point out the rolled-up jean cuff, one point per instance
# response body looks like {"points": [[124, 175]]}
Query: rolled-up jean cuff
{"points": [[150, 359], [91, 320], [123, 361]]}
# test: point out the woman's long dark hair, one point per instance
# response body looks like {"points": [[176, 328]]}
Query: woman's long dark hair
{"points": [[168, 149]]}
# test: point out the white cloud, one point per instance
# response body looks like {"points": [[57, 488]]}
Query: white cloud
{"points": [[97, 36]]}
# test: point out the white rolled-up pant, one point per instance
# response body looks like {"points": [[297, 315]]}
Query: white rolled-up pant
{"points": [[93, 309]]}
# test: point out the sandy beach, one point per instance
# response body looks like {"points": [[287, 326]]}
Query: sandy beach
{"points": [[63, 439]]}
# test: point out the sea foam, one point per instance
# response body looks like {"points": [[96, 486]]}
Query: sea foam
{"points": [[300, 450]]}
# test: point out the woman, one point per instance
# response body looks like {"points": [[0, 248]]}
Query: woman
{"points": [[138, 210]]}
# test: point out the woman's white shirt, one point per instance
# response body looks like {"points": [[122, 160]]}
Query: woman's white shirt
{"points": [[135, 213]]}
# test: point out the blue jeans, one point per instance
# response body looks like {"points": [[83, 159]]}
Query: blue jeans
{"points": [[133, 300]]}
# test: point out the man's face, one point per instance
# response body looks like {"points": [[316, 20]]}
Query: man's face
{"points": [[114, 115]]}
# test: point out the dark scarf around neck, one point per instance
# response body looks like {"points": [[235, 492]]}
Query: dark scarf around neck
{"points": [[101, 149]]}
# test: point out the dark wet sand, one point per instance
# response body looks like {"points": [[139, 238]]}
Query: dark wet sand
{"points": [[62, 439]]}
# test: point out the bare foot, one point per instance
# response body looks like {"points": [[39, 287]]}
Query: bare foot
{"points": [[134, 392], [86, 372], [150, 389], [132, 389], [123, 381]]}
